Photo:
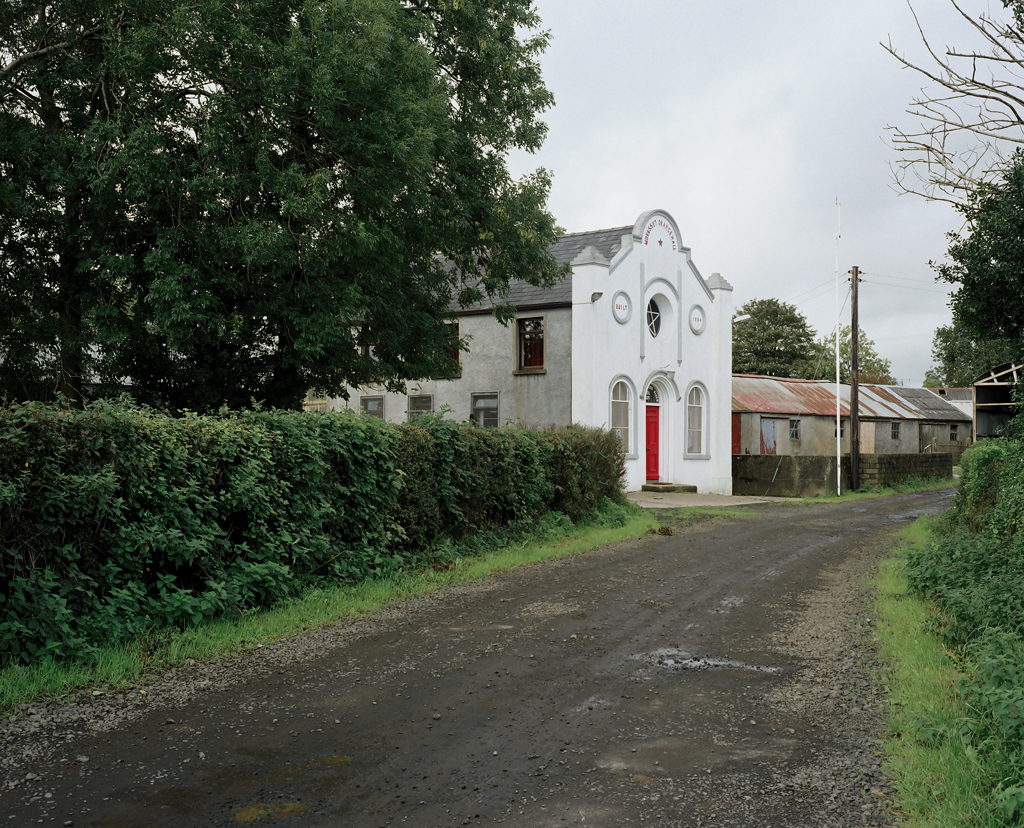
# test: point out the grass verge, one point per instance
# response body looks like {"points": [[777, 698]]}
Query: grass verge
{"points": [[118, 668], [940, 780], [913, 484]]}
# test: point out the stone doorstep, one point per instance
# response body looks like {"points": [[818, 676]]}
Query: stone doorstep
{"points": [[668, 487]]}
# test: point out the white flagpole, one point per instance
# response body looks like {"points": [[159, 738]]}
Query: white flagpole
{"points": [[839, 432]]}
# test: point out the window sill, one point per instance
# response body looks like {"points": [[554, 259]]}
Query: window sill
{"points": [[518, 372], [696, 456]]}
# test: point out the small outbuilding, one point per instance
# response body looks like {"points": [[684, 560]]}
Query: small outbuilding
{"points": [[773, 415], [993, 401]]}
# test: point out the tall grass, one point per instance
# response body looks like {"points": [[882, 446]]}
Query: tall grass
{"points": [[942, 780]]}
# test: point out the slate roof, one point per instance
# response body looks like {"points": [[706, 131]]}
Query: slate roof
{"points": [[779, 395], [960, 394], [567, 248]]}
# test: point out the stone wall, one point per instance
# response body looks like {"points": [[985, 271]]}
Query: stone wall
{"points": [[886, 469], [796, 476]]}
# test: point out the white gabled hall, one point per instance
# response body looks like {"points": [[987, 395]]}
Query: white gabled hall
{"points": [[635, 339]]}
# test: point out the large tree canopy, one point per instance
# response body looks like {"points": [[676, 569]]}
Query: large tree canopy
{"points": [[960, 358], [987, 260], [776, 341], [213, 202]]}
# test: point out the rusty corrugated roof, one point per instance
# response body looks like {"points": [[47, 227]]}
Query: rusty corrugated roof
{"points": [[778, 395]]}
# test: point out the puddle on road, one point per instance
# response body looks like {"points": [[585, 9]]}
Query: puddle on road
{"points": [[259, 811], [670, 658]]}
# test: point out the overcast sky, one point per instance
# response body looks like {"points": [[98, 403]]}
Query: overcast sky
{"points": [[747, 121]]}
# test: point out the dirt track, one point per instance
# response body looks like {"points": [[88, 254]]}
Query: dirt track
{"points": [[715, 677]]}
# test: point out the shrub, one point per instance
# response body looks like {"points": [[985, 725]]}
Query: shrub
{"points": [[118, 520]]}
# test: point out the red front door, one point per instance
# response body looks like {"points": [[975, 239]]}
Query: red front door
{"points": [[652, 442]]}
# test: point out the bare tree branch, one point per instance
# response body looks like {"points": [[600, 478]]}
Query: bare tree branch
{"points": [[967, 128], [56, 47]]}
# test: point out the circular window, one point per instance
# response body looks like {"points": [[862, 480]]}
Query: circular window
{"points": [[653, 318]]}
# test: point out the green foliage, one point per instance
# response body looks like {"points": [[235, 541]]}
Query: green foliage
{"points": [[973, 573], [227, 202], [960, 358], [987, 262], [776, 341], [872, 369], [117, 520]]}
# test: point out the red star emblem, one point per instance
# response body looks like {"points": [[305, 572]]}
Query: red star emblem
{"points": [[660, 242]]}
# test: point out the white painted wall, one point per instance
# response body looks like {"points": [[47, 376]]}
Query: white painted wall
{"points": [[606, 348]]}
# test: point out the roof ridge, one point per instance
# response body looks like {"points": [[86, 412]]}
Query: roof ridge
{"points": [[591, 232]]}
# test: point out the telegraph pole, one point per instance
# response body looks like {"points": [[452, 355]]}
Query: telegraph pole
{"points": [[854, 377]]}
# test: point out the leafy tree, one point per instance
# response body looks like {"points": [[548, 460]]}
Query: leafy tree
{"points": [[215, 202], [961, 358], [776, 341], [987, 260], [872, 369]]}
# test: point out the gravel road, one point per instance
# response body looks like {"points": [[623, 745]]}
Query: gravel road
{"points": [[722, 676]]}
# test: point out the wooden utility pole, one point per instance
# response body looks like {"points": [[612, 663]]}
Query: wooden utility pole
{"points": [[854, 378]]}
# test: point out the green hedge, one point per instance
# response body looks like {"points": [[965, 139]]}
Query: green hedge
{"points": [[974, 573], [118, 520]]}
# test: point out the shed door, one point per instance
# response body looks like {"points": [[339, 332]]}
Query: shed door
{"points": [[652, 442], [768, 436]]}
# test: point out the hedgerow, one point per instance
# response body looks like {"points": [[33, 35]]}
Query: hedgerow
{"points": [[974, 573], [117, 520]]}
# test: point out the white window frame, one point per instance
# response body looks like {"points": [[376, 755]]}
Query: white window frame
{"points": [[473, 408], [411, 413], [794, 429], [702, 431], [895, 430], [367, 398], [622, 408]]}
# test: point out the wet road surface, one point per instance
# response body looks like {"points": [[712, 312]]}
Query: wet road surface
{"points": [[626, 685]]}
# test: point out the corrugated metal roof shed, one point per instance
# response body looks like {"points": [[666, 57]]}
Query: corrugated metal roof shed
{"points": [[777, 395]]}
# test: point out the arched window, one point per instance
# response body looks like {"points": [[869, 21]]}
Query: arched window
{"points": [[695, 421], [652, 395], [620, 413], [653, 317]]}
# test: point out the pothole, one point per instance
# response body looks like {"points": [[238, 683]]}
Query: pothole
{"points": [[671, 658]]}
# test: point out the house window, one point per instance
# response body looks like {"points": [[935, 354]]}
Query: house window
{"points": [[315, 403], [484, 409], [794, 429], [422, 404], [895, 431], [530, 343], [370, 351], [695, 421], [653, 317], [620, 413], [842, 429], [455, 369], [372, 406], [652, 395], [954, 434]]}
